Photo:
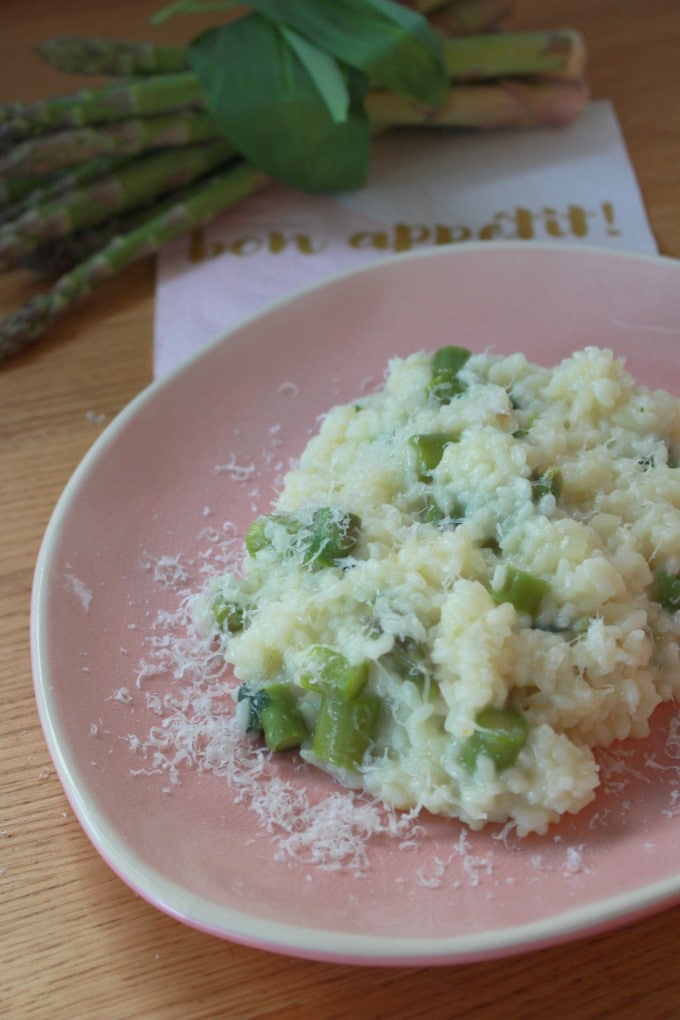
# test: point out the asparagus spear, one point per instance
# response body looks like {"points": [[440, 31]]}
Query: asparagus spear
{"points": [[56, 257], [57, 150], [76, 55], [199, 204], [524, 54], [131, 187], [483, 56], [509, 104], [138, 97], [23, 193]]}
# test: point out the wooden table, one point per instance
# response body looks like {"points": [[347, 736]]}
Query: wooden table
{"points": [[74, 940]]}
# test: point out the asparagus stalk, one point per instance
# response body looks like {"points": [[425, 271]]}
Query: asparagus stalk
{"points": [[559, 54], [138, 97], [76, 55], [133, 186], [15, 191], [482, 56], [56, 257], [23, 193], [57, 150], [509, 104], [198, 205]]}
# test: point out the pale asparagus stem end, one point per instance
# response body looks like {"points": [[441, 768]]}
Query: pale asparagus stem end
{"points": [[555, 54], [507, 104]]}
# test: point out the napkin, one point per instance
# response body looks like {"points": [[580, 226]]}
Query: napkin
{"points": [[572, 185]]}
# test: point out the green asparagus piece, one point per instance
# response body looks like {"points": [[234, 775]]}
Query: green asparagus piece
{"points": [[135, 185], [668, 590], [76, 55], [429, 447], [345, 730], [524, 590], [282, 722], [274, 710], [319, 540], [200, 204], [330, 672], [450, 359], [139, 97], [332, 537], [500, 735], [229, 615], [46, 154], [445, 383], [548, 482], [409, 659]]}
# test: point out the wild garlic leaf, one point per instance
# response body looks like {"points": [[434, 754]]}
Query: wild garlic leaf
{"points": [[395, 46], [266, 102], [324, 71]]}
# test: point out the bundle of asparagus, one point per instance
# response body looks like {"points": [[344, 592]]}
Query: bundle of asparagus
{"points": [[91, 181]]}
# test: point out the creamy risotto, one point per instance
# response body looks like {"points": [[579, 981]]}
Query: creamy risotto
{"points": [[471, 581]]}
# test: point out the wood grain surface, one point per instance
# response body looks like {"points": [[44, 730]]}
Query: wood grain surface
{"points": [[74, 940]]}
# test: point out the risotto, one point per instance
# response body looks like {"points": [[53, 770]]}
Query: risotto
{"points": [[469, 583]]}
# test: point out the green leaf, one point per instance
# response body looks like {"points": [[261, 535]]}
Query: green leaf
{"points": [[189, 7], [396, 47], [265, 101], [324, 72]]}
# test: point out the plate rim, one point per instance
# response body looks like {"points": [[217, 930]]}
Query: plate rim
{"points": [[306, 941]]}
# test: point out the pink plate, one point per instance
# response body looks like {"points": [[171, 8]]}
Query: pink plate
{"points": [[142, 516]]}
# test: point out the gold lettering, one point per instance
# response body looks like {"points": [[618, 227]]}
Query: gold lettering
{"points": [[509, 226], [551, 222], [608, 213], [303, 243], [199, 250], [244, 246], [451, 235], [578, 220], [406, 237], [369, 239]]}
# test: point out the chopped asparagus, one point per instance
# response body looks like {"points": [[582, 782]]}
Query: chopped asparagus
{"points": [[501, 734], [668, 590], [524, 590], [429, 447], [328, 671], [345, 730]]}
